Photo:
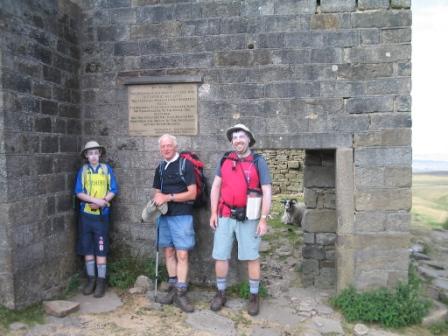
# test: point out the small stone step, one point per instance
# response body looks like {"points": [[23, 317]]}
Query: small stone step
{"points": [[60, 308]]}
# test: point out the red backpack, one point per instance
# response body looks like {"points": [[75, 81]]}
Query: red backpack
{"points": [[201, 180]]}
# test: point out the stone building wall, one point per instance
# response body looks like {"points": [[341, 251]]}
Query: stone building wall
{"points": [[286, 166], [40, 133], [314, 75], [309, 75]]}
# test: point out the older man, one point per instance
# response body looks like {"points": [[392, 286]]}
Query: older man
{"points": [[239, 174], [176, 232]]}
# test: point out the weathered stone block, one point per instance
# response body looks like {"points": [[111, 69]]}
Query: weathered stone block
{"points": [[326, 55], [330, 21], [322, 177], [387, 137], [325, 238], [386, 199], [379, 54], [326, 278], [313, 252], [390, 120], [370, 36], [381, 19], [400, 156], [126, 49], [330, 6], [399, 35], [403, 103], [388, 86], [400, 4], [373, 4], [308, 238], [370, 104], [344, 39], [378, 221], [310, 266], [322, 220]]}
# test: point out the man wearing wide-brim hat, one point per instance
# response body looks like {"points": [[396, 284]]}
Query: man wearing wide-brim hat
{"points": [[95, 187], [240, 202]]}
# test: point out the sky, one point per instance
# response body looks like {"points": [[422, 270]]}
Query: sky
{"points": [[429, 79]]}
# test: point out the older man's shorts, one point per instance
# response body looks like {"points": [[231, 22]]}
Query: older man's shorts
{"points": [[93, 235], [246, 236], [177, 232]]}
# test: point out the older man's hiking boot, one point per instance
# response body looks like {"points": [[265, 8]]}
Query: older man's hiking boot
{"points": [[100, 289], [218, 301], [168, 297], [182, 301], [89, 286], [254, 304]]}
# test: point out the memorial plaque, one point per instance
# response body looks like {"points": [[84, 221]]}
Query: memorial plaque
{"points": [[157, 109]]}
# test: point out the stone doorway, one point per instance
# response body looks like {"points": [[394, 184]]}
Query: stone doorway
{"points": [[302, 256]]}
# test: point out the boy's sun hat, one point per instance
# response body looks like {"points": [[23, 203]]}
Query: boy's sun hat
{"points": [[93, 145], [152, 211]]}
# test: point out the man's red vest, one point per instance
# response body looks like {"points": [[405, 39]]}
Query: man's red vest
{"points": [[234, 171]]}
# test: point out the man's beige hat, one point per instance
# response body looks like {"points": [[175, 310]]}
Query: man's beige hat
{"points": [[152, 211], [93, 145], [240, 127]]}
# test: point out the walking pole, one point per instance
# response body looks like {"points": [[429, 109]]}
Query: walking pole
{"points": [[157, 259]]}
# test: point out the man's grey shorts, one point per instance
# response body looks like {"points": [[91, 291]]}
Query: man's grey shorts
{"points": [[177, 232], [245, 232]]}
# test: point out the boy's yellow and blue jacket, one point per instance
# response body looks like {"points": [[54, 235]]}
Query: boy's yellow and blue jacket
{"points": [[96, 182]]}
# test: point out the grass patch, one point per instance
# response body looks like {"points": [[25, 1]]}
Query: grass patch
{"points": [[242, 290], [429, 201], [72, 286], [31, 315], [439, 328], [124, 271], [393, 308], [445, 225]]}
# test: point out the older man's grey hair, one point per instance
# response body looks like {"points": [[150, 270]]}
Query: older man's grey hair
{"points": [[172, 138]]}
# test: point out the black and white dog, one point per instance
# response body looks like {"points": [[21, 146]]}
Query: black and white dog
{"points": [[293, 213]]}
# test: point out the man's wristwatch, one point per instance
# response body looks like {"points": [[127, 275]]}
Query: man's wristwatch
{"points": [[172, 197]]}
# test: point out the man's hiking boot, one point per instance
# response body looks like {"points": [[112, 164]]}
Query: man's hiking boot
{"points": [[89, 286], [254, 304], [218, 301], [168, 297], [182, 301], [100, 289]]}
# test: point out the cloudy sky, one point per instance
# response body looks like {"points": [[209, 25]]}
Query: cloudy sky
{"points": [[429, 79]]}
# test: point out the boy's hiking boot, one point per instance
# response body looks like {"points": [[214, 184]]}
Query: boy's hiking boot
{"points": [[168, 297], [100, 289], [89, 286], [254, 304], [218, 301], [182, 301]]}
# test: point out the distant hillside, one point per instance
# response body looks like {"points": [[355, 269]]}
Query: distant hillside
{"points": [[425, 166]]}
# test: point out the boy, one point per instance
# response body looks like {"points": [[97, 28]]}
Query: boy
{"points": [[95, 186]]}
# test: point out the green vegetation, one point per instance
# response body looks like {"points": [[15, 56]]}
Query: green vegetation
{"points": [[72, 286], [124, 271], [242, 290], [429, 201], [399, 307], [31, 315], [439, 328]]}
